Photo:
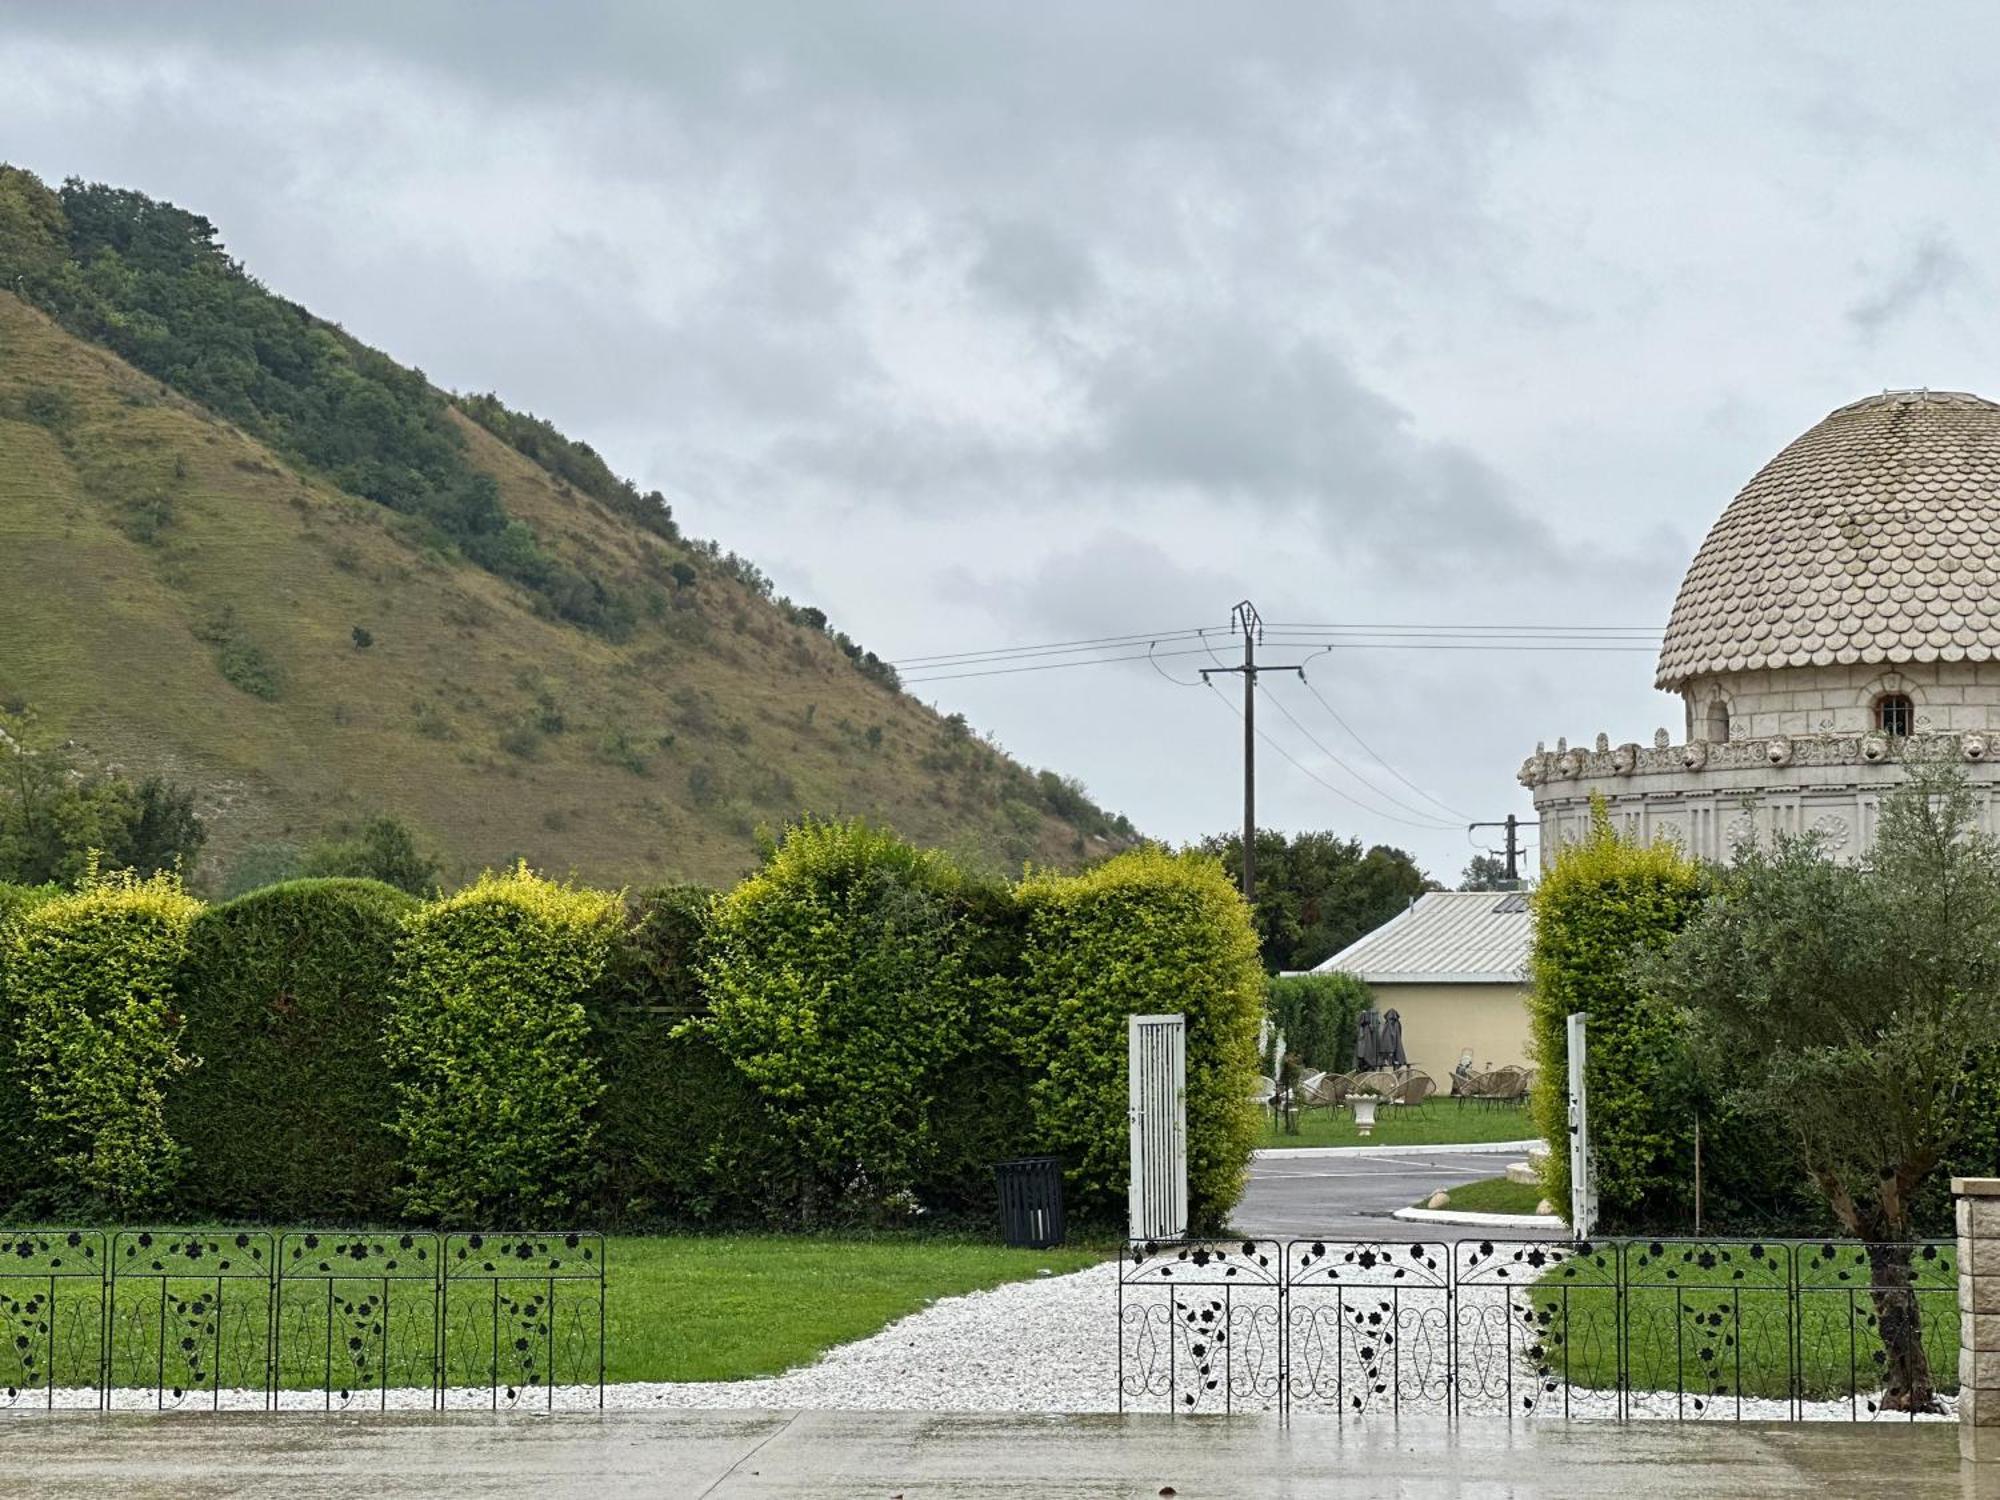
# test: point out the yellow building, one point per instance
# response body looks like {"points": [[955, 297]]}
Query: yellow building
{"points": [[1454, 967]]}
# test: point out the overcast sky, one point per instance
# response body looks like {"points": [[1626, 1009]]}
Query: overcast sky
{"points": [[986, 324]]}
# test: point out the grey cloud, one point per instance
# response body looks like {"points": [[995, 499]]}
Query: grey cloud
{"points": [[1032, 268], [1932, 267], [1285, 424]]}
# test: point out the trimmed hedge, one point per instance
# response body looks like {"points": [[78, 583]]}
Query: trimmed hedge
{"points": [[1145, 933], [22, 1167], [487, 1046], [285, 995], [1317, 1015], [90, 989], [1603, 901], [840, 982], [683, 1136]]}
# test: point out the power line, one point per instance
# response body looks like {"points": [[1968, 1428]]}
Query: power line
{"points": [[1430, 818], [1384, 764], [922, 674], [1421, 630], [1310, 775]]}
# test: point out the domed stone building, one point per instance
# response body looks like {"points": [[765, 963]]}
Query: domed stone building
{"points": [[1842, 613]]}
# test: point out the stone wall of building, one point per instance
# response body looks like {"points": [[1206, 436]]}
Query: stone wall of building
{"points": [[1708, 797], [1841, 699]]}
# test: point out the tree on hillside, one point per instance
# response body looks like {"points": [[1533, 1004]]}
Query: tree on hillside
{"points": [[1865, 999], [56, 813], [1487, 872], [1318, 892], [383, 850]]}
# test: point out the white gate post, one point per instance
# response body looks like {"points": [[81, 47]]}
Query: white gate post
{"points": [[1582, 1171], [1156, 1054]]}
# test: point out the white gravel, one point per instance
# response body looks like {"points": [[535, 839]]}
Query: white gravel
{"points": [[1045, 1345]]}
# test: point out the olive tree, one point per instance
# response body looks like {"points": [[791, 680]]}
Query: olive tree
{"points": [[1848, 1006]]}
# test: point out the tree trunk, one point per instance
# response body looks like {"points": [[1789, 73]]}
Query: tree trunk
{"points": [[1906, 1368]]}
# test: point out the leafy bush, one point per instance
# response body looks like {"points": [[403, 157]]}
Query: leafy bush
{"points": [[20, 1163], [487, 1045], [1605, 901], [839, 984], [57, 814], [1316, 1013], [683, 1136], [384, 849], [285, 995], [90, 982], [1144, 933]]}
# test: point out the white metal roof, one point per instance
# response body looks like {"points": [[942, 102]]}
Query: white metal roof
{"points": [[1445, 937]]}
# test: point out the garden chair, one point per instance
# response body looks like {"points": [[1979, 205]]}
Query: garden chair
{"points": [[1323, 1091], [1413, 1089]]}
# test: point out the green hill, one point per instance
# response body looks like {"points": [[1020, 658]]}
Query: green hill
{"points": [[243, 551]]}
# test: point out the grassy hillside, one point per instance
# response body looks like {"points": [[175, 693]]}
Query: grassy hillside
{"points": [[187, 594]]}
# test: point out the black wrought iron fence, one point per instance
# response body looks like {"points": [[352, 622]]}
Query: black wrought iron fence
{"points": [[1689, 1329], [327, 1319]]}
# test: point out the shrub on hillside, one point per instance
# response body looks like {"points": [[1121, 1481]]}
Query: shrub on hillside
{"points": [[384, 849], [90, 981], [1145, 933], [839, 983], [285, 994], [1316, 1015], [487, 1043], [1605, 902]]}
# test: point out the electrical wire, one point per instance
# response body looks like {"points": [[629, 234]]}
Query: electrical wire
{"points": [[1310, 775], [1430, 818], [1384, 764]]}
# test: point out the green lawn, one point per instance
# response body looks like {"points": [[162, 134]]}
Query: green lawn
{"points": [[676, 1308], [1725, 1322], [699, 1308], [1441, 1122], [1492, 1195]]}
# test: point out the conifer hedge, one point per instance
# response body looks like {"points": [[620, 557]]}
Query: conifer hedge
{"points": [[90, 991], [487, 1044], [1316, 1014], [285, 995], [1145, 933]]}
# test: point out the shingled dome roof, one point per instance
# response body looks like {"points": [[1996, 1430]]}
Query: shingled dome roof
{"points": [[1875, 537]]}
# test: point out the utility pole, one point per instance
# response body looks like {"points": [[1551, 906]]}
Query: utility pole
{"points": [[1246, 619], [1513, 825]]}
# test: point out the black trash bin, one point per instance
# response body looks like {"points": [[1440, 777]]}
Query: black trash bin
{"points": [[1031, 1201]]}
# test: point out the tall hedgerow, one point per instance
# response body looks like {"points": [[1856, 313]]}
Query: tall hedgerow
{"points": [[488, 1045], [1316, 1013], [90, 992], [838, 980], [21, 1165], [285, 995], [1145, 933], [1606, 901]]}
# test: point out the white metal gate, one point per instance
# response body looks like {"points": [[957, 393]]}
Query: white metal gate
{"points": [[1582, 1160], [1157, 1050]]}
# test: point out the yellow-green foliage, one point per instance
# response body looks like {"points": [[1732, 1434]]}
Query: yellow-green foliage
{"points": [[488, 1043], [1605, 899], [1145, 933], [838, 982], [90, 984]]}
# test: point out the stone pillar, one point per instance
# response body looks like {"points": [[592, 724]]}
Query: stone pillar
{"points": [[1978, 1200]]}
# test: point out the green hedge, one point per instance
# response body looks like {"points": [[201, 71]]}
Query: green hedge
{"points": [[1317, 1015], [1604, 901], [285, 995], [90, 992], [683, 1136], [1144, 933], [840, 980], [22, 1167], [487, 1046]]}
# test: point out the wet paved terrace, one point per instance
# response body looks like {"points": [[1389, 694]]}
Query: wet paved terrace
{"points": [[699, 1455]]}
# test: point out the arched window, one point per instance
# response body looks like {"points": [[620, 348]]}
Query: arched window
{"points": [[1718, 722], [1895, 714]]}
